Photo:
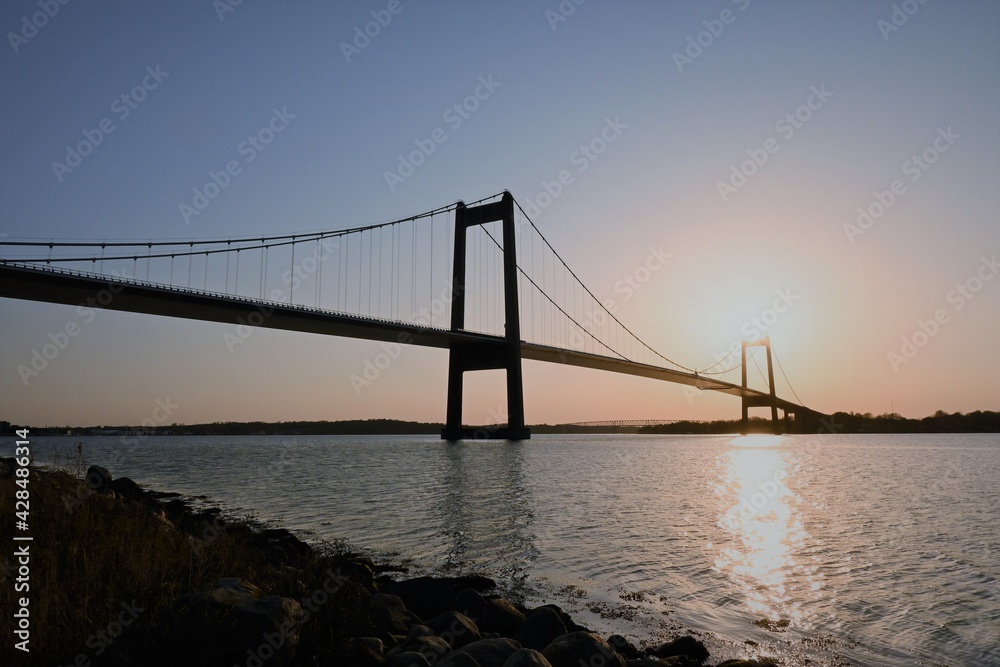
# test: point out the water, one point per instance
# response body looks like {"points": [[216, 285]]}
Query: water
{"points": [[874, 550]]}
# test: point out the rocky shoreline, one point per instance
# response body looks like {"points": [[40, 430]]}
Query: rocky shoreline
{"points": [[347, 609]]}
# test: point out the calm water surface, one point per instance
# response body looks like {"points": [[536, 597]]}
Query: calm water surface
{"points": [[875, 550]]}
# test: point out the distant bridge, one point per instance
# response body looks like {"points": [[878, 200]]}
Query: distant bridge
{"points": [[497, 292], [633, 423]]}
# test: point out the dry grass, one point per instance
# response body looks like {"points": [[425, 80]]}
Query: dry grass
{"points": [[88, 558]]}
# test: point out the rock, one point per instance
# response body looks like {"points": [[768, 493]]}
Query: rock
{"points": [[576, 648], [762, 662], [686, 646], [501, 617], [420, 631], [176, 508], [360, 571], [527, 657], [457, 660], [469, 602], [127, 489], [540, 628], [281, 546], [390, 614], [233, 619], [285, 538], [360, 651], [429, 596], [645, 662], [430, 647], [205, 527], [388, 639], [409, 659], [491, 652], [455, 628], [571, 625], [374, 643], [624, 647], [364, 657], [98, 478]]}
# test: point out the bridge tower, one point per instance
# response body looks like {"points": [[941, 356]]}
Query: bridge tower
{"points": [[486, 354], [770, 400]]}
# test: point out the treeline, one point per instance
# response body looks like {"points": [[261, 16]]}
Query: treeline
{"points": [[940, 422], [756, 425], [347, 427], [854, 422]]}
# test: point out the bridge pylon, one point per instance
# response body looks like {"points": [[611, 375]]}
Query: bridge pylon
{"points": [[486, 354], [768, 400]]}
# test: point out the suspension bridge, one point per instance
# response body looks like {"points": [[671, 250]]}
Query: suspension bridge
{"points": [[479, 280]]}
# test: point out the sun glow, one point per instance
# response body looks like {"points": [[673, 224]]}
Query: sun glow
{"points": [[758, 440], [744, 295]]}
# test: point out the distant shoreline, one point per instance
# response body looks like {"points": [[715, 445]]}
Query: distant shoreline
{"points": [[839, 422]]}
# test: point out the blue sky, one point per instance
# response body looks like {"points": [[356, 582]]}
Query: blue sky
{"points": [[888, 94]]}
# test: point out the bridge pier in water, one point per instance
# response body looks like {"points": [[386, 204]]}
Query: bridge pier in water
{"points": [[766, 400], [487, 354]]}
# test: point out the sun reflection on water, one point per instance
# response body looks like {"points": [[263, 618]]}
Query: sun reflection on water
{"points": [[763, 533]]}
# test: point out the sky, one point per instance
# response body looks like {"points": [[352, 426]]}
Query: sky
{"points": [[829, 169]]}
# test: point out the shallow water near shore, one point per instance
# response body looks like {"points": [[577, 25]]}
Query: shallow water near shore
{"points": [[847, 549]]}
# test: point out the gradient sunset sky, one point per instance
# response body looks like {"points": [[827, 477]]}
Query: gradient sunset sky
{"points": [[837, 101]]}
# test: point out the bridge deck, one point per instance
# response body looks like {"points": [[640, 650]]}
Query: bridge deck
{"points": [[53, 285]]}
